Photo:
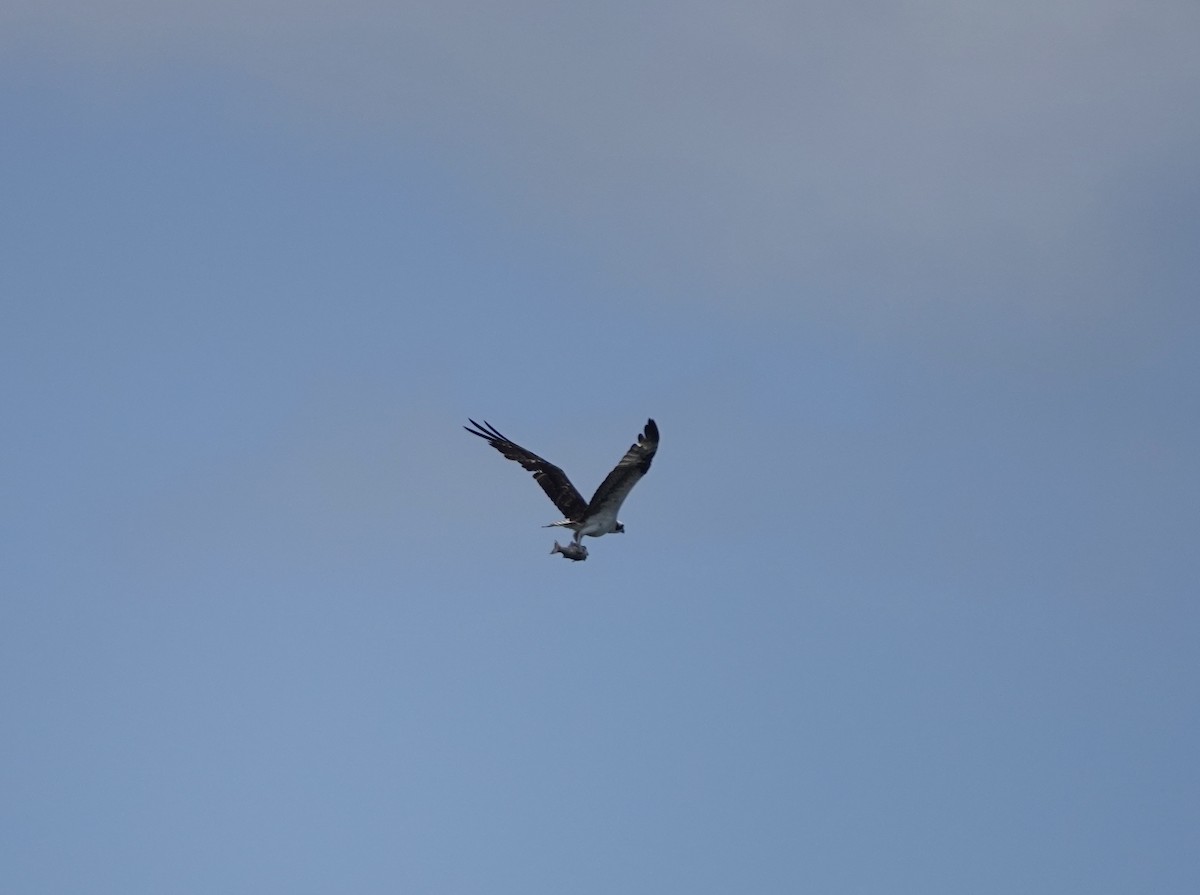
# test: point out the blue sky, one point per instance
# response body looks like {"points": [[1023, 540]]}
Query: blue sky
{"points": [[907, 603]]}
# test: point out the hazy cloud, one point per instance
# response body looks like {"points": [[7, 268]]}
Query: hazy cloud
{"points": [[860, 157]]}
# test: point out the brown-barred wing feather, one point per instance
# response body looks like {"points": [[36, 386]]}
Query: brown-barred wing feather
{"points": [[552, 479]]}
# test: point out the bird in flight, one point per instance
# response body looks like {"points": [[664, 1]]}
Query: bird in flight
{"points": [[595, 517]]}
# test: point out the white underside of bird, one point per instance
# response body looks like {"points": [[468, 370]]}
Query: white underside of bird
{"points": [[596, 525]]}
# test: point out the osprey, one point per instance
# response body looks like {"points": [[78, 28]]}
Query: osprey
{"points": [[595, 517]]}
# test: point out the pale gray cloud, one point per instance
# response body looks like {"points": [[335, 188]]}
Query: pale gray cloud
{"points": [[856, 158]]}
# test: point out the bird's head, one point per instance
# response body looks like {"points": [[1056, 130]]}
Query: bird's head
{"points": [[619, 528]]}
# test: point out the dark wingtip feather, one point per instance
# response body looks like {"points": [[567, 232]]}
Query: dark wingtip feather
{"points": [[478, 430], [487, 430]]}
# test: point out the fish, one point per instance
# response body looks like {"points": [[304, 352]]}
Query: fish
{"points": [[573, 551]]}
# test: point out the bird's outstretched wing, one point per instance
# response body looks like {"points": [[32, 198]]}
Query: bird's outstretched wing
{"points": [[635, 464], [552, 479]]}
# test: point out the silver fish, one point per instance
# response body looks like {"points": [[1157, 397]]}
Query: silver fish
{"points": [[576, 552]]}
